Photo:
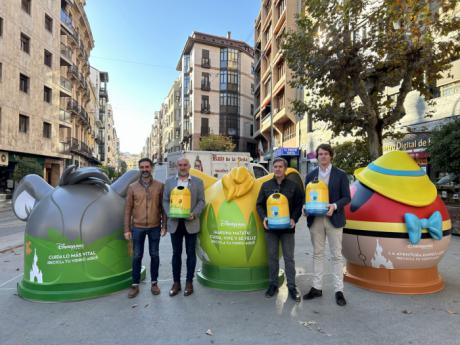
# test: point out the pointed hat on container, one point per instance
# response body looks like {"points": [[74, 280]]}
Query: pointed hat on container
{"points": [[397, 176]]}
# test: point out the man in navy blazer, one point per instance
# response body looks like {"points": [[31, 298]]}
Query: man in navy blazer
{"points": [[330, 225]]}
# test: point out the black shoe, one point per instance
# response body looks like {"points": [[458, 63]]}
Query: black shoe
{"points": [[294, 294], [340, 298], [313, 293], [272, 289]]}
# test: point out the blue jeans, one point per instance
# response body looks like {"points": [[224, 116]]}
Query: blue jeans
{"points": [[190, 243], [139, 235]]}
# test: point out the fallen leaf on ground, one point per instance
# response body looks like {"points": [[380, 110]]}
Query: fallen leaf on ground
{"points": [[145, 306], [307, 323], [209, 332], [451, 312], [405, 311], [134, 306]]}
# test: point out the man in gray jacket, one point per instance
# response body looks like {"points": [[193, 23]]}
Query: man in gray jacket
{"points": [[184, 228]]}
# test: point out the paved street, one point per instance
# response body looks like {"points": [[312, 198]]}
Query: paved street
{"points": [[233, 317]]}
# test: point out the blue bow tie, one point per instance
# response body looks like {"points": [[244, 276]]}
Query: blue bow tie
{"points": [[415, 225]]}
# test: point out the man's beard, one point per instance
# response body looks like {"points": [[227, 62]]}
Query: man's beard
{"points": [[145, 174], [183, 174]]}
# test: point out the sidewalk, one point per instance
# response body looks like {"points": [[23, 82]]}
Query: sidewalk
{"points": [[235, 317]]}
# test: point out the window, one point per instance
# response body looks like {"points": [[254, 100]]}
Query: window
{"points": [[252, 89], [450, 89], [280, 8], [23, 123], [289, 132], [229, 80], [1, 26], [205, 62], [205, 107], [48, 23], [25, 43], [26, 5], [47, 94], [48, 58], [228, 99], [46, 130], [1, 71], [205, 83], [252, 109], [268, 34], [204, 126], [280, 70], [229, 58], [23, 83]]}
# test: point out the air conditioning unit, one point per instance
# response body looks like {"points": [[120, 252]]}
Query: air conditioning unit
{"points": [[3, 158]]}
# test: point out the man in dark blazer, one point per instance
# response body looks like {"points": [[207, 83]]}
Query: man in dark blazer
{"points": [[330, 225], [184, 228]]}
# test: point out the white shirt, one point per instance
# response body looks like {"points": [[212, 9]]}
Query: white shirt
{"points": [[324, 175], [183, 183]]}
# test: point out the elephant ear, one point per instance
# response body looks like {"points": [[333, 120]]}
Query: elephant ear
{"points": [[28, 193], [120, 186]]}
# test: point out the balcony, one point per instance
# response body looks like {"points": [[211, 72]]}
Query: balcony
{"points": [[205, 63], [74, 72], [206, 109], [66, 52], [205, 86], [64, 146], [66, 84], [64, 116], [81, 148], [67, 22], [83, 115], [103, 92], [73, 106], [100, 138]]}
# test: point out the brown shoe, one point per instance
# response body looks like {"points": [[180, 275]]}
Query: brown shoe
{"points": [[175, 288], [188, 289], [133, 291], [155, 289]]}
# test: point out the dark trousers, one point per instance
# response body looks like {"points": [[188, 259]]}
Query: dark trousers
{"points": [[287, 240], [139, 235], [177, 240]]}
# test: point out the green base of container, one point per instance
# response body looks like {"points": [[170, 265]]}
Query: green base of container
{"points": [[74, 291], [235, 279]]}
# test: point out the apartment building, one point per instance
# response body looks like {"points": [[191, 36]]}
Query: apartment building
{"points": [[77, 130], [29, 89], [49, 108], [112, 141], [216, 90], [171, 125], [278, 131]]}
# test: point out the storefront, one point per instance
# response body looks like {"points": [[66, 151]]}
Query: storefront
{"points": [[291, 154], [416, 145], [20, 164]]}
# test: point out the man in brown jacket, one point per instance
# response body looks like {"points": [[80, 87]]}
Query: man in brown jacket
{"points": [[144, 216]]}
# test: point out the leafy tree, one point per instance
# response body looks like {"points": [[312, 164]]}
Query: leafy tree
{"points": [[444, 148], [25, 167], [347, 53], [109, 171], [217, 142], [123, 167], [351, 155]]}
